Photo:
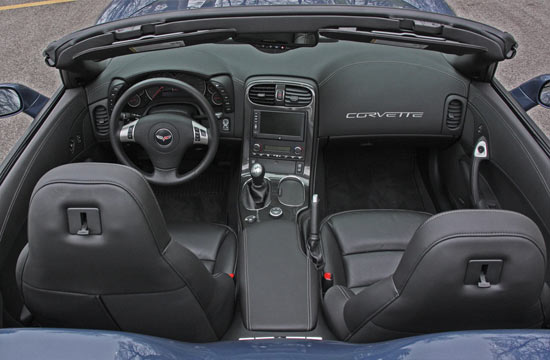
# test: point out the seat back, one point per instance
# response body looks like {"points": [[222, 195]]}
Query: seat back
{"points": [[99, 256], [467, 269]]}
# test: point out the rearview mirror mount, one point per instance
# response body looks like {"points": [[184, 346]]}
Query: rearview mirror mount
{"points": [[16, 98]]}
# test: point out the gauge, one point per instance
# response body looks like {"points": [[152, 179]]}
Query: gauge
{"points": [[194, 81], [154, 91], [134, 101], [216, 99], [211, 88]]}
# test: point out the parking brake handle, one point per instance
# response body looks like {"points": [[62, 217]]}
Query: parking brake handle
{"points": [[313, 240], [481, 153]]}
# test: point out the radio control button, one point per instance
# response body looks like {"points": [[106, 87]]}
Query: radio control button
{"points": [[257, 147], [298, 150]]}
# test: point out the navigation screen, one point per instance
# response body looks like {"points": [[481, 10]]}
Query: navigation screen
{"points": [[282, 123]]}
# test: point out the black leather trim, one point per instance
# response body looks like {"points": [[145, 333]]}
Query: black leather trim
{"points": [[277, 280], [363, 246], [215, 245], [428, 291], [131, 275], [334, 301]]}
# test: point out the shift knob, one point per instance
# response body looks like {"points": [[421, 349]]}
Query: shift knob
{"points": [[257, 172]]}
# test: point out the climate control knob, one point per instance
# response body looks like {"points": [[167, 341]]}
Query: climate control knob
{"points": [[298, 150], [257, 147]]}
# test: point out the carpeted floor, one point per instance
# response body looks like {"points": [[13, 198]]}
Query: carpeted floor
{"points": [[201, 200], [374, 178]]}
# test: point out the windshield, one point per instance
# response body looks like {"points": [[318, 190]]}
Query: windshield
{"points": [[121, 9]]}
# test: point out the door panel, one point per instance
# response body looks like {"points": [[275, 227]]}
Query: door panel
{"points": [[518, 172], [49, 147]]}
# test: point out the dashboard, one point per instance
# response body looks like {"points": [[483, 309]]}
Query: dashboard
{"points": [[361, 90]]}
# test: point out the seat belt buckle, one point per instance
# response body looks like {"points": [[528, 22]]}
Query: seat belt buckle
{"points": [[327, 281]]}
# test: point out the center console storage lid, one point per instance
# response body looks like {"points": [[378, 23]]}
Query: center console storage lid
{"points": [[278, 291]]}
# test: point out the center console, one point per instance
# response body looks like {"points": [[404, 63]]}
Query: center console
{"points": [[278, 283], [279, 120]]}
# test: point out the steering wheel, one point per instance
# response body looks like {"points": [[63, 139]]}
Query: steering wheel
{"points": [[165, 136]]}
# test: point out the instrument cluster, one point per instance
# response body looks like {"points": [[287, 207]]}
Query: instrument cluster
{"points": [[164, 94]]}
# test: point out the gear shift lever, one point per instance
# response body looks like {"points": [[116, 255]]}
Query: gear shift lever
{"points": [[256, 192], [257, 172]]}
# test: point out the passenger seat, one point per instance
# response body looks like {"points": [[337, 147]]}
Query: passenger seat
{"points": [[403, 273]]}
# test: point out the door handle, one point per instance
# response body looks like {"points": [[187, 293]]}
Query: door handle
{"points": [[481, 153]]}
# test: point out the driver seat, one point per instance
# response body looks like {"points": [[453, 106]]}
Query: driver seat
{"points": [[99, 256]]}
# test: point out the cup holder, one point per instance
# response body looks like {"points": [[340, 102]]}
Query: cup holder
{"points": [[292, 192]]}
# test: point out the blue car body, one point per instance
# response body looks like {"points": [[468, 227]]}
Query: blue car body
{"points": [[122, 9], [66, 344]]}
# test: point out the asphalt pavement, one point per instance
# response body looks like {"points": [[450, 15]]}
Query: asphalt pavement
{"points": [[529, 22], [25, 34], [26, 31]]}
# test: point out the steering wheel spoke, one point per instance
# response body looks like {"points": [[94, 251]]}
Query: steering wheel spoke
{"points": [[161, 176], [200, 134], [127, 132]]}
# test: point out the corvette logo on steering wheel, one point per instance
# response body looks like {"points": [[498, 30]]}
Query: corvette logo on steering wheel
{"points": [[163, 136]]}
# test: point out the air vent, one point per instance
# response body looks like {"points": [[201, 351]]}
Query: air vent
{"points": [[297, 96], [263, 94], [101, 119], [454, 114]]}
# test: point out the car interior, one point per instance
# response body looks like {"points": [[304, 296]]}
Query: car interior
{"points": [[257, 188]]}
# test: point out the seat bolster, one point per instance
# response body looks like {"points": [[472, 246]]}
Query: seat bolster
{"points": [[215, 294], [220, 309], [363, 308], [215, 245], [333, 256], [545, 304], [20, 266], [226, 259], [334, 303]]}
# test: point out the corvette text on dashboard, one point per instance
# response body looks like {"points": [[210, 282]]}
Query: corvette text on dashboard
{"points": [[387, 114]]}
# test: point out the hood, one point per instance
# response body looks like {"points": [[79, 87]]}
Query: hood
{"points": [[121, 9]]}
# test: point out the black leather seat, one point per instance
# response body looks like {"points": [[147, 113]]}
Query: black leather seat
{"points": [[214, 244], [100, 256], [364, 246], [460, 270]]}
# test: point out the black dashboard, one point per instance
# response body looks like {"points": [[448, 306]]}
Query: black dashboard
{"points": [[373, 91], [278, 105]]}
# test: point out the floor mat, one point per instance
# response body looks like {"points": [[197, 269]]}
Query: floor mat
{"points": [[203, 199], [374, 178]]}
